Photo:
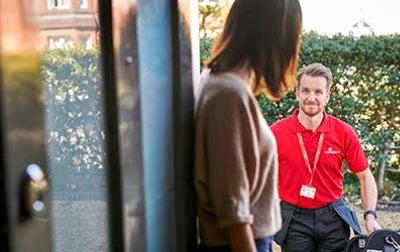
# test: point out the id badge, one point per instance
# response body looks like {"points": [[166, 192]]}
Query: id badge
{"points": [[308, 191]]}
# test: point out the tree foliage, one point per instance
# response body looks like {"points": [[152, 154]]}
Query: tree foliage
{"points": [[365, 91], [73, 99], [210, 16]]}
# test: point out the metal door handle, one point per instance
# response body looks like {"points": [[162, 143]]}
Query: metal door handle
{"points": [[34, 189]]}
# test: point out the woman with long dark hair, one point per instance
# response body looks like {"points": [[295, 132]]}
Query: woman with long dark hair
{"points": [[235, 152]]}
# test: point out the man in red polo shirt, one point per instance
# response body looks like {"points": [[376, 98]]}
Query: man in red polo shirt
{"points": [[312, 146]]}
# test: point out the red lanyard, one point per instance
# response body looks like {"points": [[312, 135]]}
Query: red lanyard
{"points": [[305, 156]]}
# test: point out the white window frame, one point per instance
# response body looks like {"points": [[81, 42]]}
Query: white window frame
{"points": [[83, 4], [58, 4], [60, 42], [86, 41]]}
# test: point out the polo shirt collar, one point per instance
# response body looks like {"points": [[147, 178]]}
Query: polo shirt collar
{"points": [[298, 127]]}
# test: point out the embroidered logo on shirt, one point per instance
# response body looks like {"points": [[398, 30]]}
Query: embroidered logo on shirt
{"points": [[332, 151]]}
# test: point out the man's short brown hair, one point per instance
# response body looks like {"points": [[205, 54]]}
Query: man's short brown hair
{"points": [[316, 70]]}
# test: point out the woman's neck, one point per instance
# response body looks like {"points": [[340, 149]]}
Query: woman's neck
{"points": [[243, 72]]}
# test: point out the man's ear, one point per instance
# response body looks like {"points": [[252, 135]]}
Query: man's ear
{"points": [[329, 97]]}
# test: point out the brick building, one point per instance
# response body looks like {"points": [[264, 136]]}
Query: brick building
{"points": [[27, 25], [68, 23]]}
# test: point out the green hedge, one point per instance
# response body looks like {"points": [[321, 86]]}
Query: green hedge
{"points": [[74, 109], [365, 94], [365, 91]]}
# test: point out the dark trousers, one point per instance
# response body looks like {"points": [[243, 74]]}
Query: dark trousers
{"points": [[263, 245], [310, 230]]}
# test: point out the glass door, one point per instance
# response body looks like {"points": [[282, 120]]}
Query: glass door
{"points": [[96, 125], [53, 131]]}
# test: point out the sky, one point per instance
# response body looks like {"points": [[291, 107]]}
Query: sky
{"points": [[333, 16]]}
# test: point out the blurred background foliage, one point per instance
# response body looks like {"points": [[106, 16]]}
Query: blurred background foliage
{"points": [[23, 108], [365, 93], [73, 95]]}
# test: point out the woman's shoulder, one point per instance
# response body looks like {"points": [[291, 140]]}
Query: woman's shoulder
{"points": [[225, 84], [223, 92]]}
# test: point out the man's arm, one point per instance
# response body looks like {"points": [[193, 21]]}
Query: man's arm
{"points": [[369, 195], [240, 237]]}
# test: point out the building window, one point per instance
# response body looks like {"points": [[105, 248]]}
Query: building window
{"points": [[58, 4], [85, 42], [60, 42], [83, 4]]}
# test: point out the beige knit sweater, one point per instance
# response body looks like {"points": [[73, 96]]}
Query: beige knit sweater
{"points": [[235, 161]]}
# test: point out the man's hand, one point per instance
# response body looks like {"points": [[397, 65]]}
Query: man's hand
{"points": [[371, 224]]}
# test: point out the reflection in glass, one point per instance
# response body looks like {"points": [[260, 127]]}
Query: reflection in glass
{"points": [[53, 97], [23, 135], [149, 100]]}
